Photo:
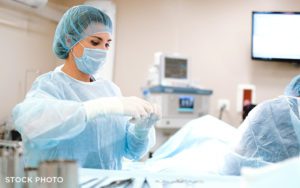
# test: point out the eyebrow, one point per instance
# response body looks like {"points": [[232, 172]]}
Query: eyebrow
{"points": [[109, 40]]}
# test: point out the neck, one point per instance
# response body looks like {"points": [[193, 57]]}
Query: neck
{"points": [[71, 69]]}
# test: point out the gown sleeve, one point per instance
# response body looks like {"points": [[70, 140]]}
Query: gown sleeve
{"points": [[138, 147], [44, 118]]}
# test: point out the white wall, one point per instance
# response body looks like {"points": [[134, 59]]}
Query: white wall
{"points": [[25, 47], [214, 33]]}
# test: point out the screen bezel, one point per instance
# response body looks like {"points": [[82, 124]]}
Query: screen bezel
{"points": [[190, 109], [173, 81], [252, 33]]}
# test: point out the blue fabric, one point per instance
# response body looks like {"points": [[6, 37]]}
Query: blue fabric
{"points": [[76, 24], [199, 147], [293, 88], [295, 117], [53, 124], [268, 135]]}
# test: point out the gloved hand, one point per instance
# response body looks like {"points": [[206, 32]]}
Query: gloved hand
{"points": [[129, 106], [142, 126]]}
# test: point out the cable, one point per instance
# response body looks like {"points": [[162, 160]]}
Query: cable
{"points": [[221, 111]]}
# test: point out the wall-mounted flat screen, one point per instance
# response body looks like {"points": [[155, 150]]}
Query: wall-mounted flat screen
{"points": [[276, 36]]}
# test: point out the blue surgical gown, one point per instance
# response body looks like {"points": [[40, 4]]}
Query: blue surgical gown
{"points": [[53, 124], [269, 134]]}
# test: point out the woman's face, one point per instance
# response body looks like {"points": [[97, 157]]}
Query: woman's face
{"points": [[96, 41]]}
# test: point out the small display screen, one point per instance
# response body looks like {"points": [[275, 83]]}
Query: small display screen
{"points": [[175, 68], [186, 104]]}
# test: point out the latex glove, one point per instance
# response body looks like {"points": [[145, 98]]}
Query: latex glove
{"points": [[156, 114], [128, 106], [142, 127]]}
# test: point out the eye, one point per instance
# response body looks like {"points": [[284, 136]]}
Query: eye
{"points": [[107, 45], [95, 43]]}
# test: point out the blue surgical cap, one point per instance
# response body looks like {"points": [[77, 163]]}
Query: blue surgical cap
{"points": [[293, 88], [76, 24]]}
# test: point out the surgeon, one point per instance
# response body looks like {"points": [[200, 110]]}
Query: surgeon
{"points": [[68, 114], [270, 134]]}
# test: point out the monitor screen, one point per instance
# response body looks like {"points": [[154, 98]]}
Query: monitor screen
{"points": [[276, 36], [186, 104], [176, 68]]}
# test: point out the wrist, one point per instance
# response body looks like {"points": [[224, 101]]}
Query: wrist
{"points": [[102, 106], [139, 132]]}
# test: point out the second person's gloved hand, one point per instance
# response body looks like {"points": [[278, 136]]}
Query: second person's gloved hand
{"points": [[129, 106]]}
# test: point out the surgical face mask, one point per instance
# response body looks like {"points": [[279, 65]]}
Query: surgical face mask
{"points": [[91, 60]]}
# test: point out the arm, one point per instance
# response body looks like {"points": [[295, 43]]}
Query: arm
{"points": [[140, 137], [137, 147], [44, 119], [261, 141]]}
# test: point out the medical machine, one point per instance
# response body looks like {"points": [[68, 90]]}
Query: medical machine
{"points": [[169, 70], [168, 85], [179, 104]]}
